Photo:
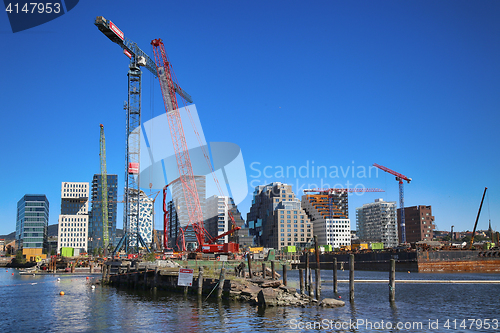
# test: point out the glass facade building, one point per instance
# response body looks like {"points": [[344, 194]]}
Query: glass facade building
{"points": [[95, 218], [32, 222]]}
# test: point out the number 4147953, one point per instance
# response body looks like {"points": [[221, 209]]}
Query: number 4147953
{"points": [[34, 7], [472, 324]]}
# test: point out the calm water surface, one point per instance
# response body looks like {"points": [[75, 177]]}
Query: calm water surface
{"points": [[33, 304]]}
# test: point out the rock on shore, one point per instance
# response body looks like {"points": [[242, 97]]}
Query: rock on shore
{"points": [[274, 293]]}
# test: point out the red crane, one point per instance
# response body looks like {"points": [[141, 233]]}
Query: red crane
{"points": [[399, 178], [169, 87]]}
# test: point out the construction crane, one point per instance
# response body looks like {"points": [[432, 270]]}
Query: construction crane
{"points": [[138, 58], [104, 191], [477, 219], [332, 192], [167, 80], [399, 178]]}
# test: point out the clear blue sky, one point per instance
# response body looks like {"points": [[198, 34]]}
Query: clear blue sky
{"points": [[411, 85]]}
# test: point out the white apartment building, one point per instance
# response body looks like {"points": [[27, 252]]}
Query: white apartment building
{"points": [[330, 231], [74, 219], [217, 219], [376, 222]]}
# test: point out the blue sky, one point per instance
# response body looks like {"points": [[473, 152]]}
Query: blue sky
{"points": [[411, 85]]}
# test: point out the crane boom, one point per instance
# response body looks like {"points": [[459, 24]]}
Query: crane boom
{"points": [[477, 219], [399, 178], [131, 50], [165, 76], [340, 190], [104, 191]]}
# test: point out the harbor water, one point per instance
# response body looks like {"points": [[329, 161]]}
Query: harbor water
{"points": [[34, 304]]}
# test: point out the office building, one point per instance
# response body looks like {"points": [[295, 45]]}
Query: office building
{"points": [[330, 222], [218, 221], [145, 226], [176, 235], [419, 223], [74, 219], [96, 231], [31, 225], [276, 218], [376, 222]]}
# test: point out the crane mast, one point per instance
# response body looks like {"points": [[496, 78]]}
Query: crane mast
{"points": [[165, 76], [104, 191], [399, 178]]}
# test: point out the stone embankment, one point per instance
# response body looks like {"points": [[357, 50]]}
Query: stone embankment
{"points": [[273, 293]]}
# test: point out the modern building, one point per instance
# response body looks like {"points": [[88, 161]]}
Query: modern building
{"points": [[175, 234], [330, 222], [180, 200], [276, 218], [419, 223], [74, 218], [31, 225], [376, 222], [96, 231], [218, 221], [145, 226], [181, 217]]}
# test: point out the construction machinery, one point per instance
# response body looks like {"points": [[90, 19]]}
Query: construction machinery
{"points": [[138, 58], [477, 219], [399, 178]]}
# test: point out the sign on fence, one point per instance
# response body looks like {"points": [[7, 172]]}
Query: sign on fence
{"points": [[185, 277]]}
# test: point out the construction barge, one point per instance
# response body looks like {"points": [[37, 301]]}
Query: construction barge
{"points": [[428, 261]]}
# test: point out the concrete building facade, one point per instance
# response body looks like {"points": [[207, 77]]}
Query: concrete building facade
{"points": [[95, 216], [32, 222], [276, 218], [419, 223], [376, 222], [74, 219]]}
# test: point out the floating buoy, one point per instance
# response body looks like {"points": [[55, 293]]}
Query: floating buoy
{"points": [[87, 277], [61, 293], [408, 272], [340, 296], [33, 274], [58, 279], [12, 273], [93, 287]]}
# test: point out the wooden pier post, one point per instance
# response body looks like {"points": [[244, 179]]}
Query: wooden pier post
{"points": [[264, 270], [249, 265], [155, 280], [335, 275], [318, 268], [392, 281], [91, 267], [284, 274], [307, 272], [221, 282], [311, 289], [145, 277], [200, 281], [351, 277], [243, 273], [272, 271], [301, 279]]}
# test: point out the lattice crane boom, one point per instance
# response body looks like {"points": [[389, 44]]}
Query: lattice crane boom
{"points": [[166, 79], [104, 190], [399, 178]]}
